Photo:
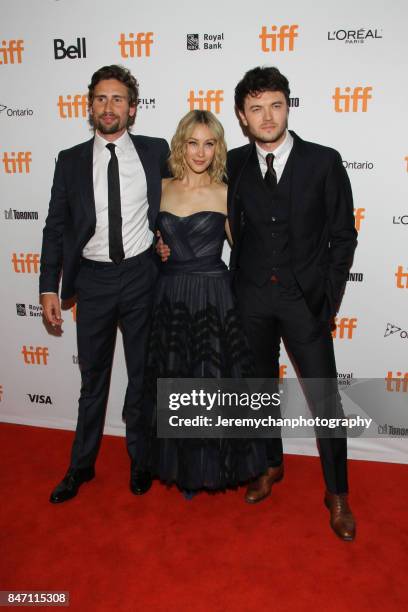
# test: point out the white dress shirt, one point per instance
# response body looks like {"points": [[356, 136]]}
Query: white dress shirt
{"points": [[137, 237], [281, 154]]}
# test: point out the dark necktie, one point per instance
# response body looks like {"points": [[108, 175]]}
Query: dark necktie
{"points": [[270, 176], [116, 252]]}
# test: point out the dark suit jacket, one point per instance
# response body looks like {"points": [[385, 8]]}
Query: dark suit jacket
{"points": [[322, 236], [71, 217]]}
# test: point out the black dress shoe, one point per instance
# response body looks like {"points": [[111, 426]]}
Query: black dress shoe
{"points": [[68, 487], [140, 481]]}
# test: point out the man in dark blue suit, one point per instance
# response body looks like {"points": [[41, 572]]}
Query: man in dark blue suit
{"points": [[290, 209], [98, 234]]}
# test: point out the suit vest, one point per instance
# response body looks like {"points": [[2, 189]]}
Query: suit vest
{"points": [[265, 249]]}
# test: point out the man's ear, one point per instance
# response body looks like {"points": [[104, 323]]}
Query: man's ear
{"points": [[242, 117]]}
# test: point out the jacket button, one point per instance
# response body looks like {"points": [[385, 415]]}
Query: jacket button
{"points": [[273, 219]]}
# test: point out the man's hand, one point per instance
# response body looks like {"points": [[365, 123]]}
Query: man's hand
{"points": [[162, 250], [51, 309]]}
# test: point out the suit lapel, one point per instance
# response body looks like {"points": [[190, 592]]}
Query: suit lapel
{"points": [[296, 178], [86, 181], [153, 182]]}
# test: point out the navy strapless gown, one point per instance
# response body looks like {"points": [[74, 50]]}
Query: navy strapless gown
{"points": [[196, 332]]}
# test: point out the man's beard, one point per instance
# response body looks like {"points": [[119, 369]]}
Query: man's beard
{"points": [[270, 139], [107, 129]]}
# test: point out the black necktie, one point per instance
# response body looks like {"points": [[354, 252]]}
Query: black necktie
{"points": [[270, 176], [116, 252]]}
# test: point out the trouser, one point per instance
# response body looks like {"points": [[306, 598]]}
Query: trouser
{"points": [[274, 312], [110, 295]]}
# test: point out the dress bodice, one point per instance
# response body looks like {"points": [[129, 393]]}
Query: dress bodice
{"points": [[195, 241]]}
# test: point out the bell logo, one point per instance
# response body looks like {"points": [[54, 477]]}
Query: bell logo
{"points": [[35, 356], [73, 106], [26, 264], [11, 52], [358, 217], [358, 99], [209, 100], [135, 44], [72, 52], [279, 39], [17, 162], [344, 328], [402, 278], [398, 383]]}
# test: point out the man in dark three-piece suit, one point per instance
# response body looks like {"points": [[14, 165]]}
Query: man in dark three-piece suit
{"points": [[98, 233], [291, 216]]}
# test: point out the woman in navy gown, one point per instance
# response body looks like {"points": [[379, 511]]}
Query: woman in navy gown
{"points": [[196, 331]]}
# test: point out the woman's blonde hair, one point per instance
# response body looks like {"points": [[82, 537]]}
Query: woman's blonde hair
{"points": [[185, 128]]}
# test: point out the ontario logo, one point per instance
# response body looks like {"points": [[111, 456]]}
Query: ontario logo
{"points": [[15, 112]]}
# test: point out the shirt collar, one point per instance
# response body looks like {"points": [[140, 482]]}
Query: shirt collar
{"points": [[279, 152], [123, 144]]}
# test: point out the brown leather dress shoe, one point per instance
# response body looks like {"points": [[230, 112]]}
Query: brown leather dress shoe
{"points": [[341, 518], [261, 487]]}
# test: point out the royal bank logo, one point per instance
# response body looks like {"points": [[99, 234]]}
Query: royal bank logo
{"points": [[209, 42], [344, 378], [358, 165], [61, 51], [6, 111], [29, 310], [20, 215], [352, 37], [355, 277], [146, 103]]}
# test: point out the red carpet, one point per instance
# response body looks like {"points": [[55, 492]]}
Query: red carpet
{"points": [[114, 551]]}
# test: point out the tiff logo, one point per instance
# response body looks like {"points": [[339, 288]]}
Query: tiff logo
{"points": [[398, 383], [73, 106], [35, 356], [352, 102], [344, 328], [406, 163], [358, 217], [209, 100], [136, 44], [279, 39], [11, 51], [72, 52], [17, 163], [26, 264], [402, 278]]}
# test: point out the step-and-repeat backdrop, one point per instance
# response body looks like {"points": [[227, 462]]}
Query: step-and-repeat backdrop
{"points": [[346, 66]]}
